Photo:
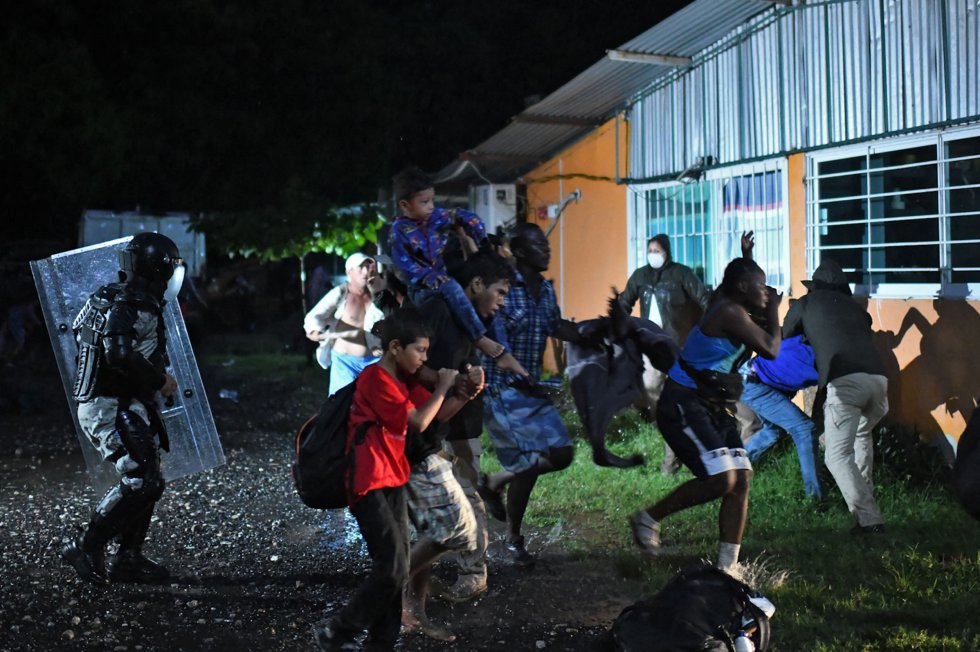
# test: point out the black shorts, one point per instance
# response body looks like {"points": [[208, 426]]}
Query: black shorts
{"points": [[703, 435]]}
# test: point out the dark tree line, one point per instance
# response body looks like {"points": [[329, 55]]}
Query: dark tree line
{"points": [[212, 106]]}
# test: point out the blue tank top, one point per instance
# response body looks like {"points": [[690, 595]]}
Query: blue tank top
{"points": [[705, 352]]}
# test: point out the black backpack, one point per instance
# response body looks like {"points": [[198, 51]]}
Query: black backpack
{"points": [[700, 609], [323, 472]]}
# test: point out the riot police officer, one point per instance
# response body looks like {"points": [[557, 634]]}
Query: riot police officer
{"points": [[121, 366]]}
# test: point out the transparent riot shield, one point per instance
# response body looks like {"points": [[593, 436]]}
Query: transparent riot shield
{"points": [[64, 282]]}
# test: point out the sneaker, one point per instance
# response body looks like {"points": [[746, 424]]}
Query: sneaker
{"points": [[646, 533], [735, 571], [518, 554], [493, 500], [878, 528], [328, 638]]}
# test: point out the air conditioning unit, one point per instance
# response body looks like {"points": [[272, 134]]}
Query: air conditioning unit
{"points": [[495, 203]]}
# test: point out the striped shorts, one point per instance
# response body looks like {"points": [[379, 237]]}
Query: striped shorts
{"points": [[438, 508]]}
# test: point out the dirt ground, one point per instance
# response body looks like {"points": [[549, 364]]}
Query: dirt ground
{"points": [[253, 567]]}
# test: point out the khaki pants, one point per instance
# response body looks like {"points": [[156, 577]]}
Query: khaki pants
{"points": [[855, 404]]}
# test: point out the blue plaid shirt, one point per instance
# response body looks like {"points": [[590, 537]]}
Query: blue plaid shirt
{"points": [[527, 324]]}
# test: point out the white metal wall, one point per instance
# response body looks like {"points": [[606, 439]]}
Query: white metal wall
{"points": [[809, 76]]}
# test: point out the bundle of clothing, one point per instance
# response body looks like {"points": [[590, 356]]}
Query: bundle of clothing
{"points": [[607, 376]]}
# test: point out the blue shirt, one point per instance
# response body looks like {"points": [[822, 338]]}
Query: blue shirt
{"points": [[791, 370], [526, 325], [705, 352]]}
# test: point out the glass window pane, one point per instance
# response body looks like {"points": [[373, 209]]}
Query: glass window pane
{"points": [[924, 154], [906, 204], [965, 227], [963, 147], [842, 165], [963, 200], [906, 231], [923, 256], [920, 177], [965, 255], [843, 234], [850, 185], [843, 211]]}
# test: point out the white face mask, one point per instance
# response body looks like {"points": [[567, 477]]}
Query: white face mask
{"points": [[173, 285], [656, 260]]}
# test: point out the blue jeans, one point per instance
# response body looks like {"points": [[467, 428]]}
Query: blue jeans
{"points": [[774, 409]]}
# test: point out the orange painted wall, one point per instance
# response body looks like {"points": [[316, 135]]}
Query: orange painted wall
{"points": [[589, 244]]}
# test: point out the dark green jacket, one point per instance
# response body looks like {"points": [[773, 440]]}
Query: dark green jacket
{"points": [[680, 295]]}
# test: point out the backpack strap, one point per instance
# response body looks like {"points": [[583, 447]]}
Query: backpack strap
{"points": [[359, 435]]}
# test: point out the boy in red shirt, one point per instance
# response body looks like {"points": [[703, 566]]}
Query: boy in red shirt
{"points": [[390, 398]]}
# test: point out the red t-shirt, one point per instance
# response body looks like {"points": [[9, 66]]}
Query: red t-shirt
{"points": [[384, 401]]}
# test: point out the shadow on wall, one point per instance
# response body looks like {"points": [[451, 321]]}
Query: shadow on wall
{"points": [[943, 375]]}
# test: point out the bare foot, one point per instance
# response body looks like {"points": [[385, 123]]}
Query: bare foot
{"points": [[489, 347], [410, 622], [508, 362]]}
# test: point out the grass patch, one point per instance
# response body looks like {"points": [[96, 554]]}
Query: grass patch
{"points": [[915, 588]]}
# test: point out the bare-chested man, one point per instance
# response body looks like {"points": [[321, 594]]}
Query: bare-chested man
{"points": [[342, 320]]}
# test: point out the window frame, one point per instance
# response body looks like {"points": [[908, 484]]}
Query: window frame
{"points": [[639, 218], [943, 286]]}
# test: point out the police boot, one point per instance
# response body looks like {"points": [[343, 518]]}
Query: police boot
{"points": [[87, 553], [129, 564]]}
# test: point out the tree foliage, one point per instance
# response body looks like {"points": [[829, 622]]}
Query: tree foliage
{"points": [[303, 225]]}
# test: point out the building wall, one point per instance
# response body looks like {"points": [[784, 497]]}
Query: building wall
{"points": [[589, 243], [812, 75], [929, 346]]}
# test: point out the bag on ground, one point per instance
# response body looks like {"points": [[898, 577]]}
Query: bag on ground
{"points": [[700, 609], [322, 468]]}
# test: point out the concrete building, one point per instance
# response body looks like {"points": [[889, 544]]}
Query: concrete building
{"points": [[847, 129]]}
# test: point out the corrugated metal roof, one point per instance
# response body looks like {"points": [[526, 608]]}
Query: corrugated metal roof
{"points": [[597, 93]]}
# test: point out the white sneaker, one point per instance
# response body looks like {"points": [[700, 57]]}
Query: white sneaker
{"points": [[734, 571], [646, 533]]}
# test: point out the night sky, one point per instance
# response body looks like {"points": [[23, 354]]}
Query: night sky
{"points": [[209, 106]]}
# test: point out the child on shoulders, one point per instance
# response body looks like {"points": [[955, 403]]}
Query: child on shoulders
{"points": [[418, 239]]}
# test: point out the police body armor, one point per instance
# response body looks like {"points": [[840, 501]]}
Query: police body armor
{"points": [[93, 377]]}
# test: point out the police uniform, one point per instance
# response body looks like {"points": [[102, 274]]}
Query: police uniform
{"points": [[121, 366]]}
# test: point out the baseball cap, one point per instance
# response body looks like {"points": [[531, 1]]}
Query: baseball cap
{"points": [[356, 260]]}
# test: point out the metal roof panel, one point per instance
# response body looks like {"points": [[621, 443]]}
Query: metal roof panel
{"points": [[599, 91]]}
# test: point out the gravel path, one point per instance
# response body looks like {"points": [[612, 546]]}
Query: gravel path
{"points": [[253, 568]]}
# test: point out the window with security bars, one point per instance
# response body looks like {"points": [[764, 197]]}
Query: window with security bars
{"points": [[705, 220], [903, 218]]}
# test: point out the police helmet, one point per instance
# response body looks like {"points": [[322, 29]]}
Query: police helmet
{"points": [[151, 256]]}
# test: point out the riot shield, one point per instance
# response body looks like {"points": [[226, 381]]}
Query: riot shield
{"points": [[64, 282]]}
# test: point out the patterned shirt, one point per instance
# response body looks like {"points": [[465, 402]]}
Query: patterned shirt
{"points": [[417, 248], [527, 324]]}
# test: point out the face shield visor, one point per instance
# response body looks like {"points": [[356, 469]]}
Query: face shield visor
{"points": [[173, 285]]}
